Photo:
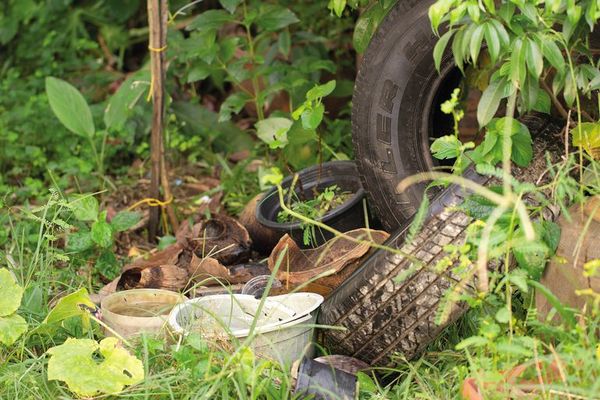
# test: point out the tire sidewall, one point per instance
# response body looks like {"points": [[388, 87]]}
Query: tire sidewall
{"points": [[392, 102]]}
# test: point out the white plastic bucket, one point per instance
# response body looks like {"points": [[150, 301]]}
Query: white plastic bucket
{"points": [[283, 330]]}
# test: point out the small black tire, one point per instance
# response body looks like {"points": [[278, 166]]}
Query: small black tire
{"points": [[396, 109]]}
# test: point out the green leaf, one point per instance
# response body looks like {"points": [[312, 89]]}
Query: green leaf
{"points": [[199, 71], [446, 147], [418, 220], [125, 220], [542, 103], [233, 105], [230, 5], [517, 62], [535, 61], [273, 131], [10, 300], [587, 135], [73, 363], [11, 328], [121, 103], [551, 235], [503, 315], [473, 341], [489, 102], [312, 117], [72, 305], [531, 256], [85, 207], [210, 20], [276, 17], [552, 53], [475, 43], [565, 313], [440, 47], [320, 91], [337, 6], [493, 41], [366, 25], [570, 91], [284, 43], [522, 148], [70, 107], [102, 234], [107, 265], [80, 241]]}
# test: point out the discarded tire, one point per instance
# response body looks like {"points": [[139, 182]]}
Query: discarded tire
{"points": [[382, 316], [396, 109]]}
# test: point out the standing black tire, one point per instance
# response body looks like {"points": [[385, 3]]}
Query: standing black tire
{"points": [[396, 109]]}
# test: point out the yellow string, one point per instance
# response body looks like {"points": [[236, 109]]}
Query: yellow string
{"points": [[157, 50], [152, 203]]}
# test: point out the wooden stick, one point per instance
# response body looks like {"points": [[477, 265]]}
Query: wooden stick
{"points": [[156, 46]]}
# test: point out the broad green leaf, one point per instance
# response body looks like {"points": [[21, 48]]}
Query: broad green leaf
{"points": [[418, 220], [542, 103], [11, 293], [446, 147], [80, 241], [364, 29], [73, 363], [522, 148], [102, 233], [210, 20], [531, 256], [125, 220], [11, 328], [284, 43], [503, 315], [276, 17], [489, 102], [199, 71], [233, 105], [535, 61], [437, 11], [70, 107], [72, 305], [552, 53], [551, 235], [440, 47], [475, 43], [230, 5], [587, 135], [517, 62], [493, 41], [337, 6], [107, 265], [312, 117], [320, 91], [121, 103], [85, 207], [273, 131]]}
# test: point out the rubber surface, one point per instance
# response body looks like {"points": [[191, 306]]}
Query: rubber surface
{"points": [[393, 112], [382, 316]]}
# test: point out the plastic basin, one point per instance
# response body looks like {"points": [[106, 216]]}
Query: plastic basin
{"points": [[283, 330]]}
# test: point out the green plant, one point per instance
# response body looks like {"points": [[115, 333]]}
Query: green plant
{"points": [[74, 363], [95, 237], [12, 325], [314, 208]]}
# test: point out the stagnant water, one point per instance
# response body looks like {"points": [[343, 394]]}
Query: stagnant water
{"points": [[142, 309]]}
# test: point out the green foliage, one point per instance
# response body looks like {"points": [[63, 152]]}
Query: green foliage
{"points": [[526, 43], [95, 235], [73, 363], [313, 208], [12, 325]]}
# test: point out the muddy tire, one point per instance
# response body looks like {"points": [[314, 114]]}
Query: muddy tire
{"points": [[382, 316], [396, 109]]}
